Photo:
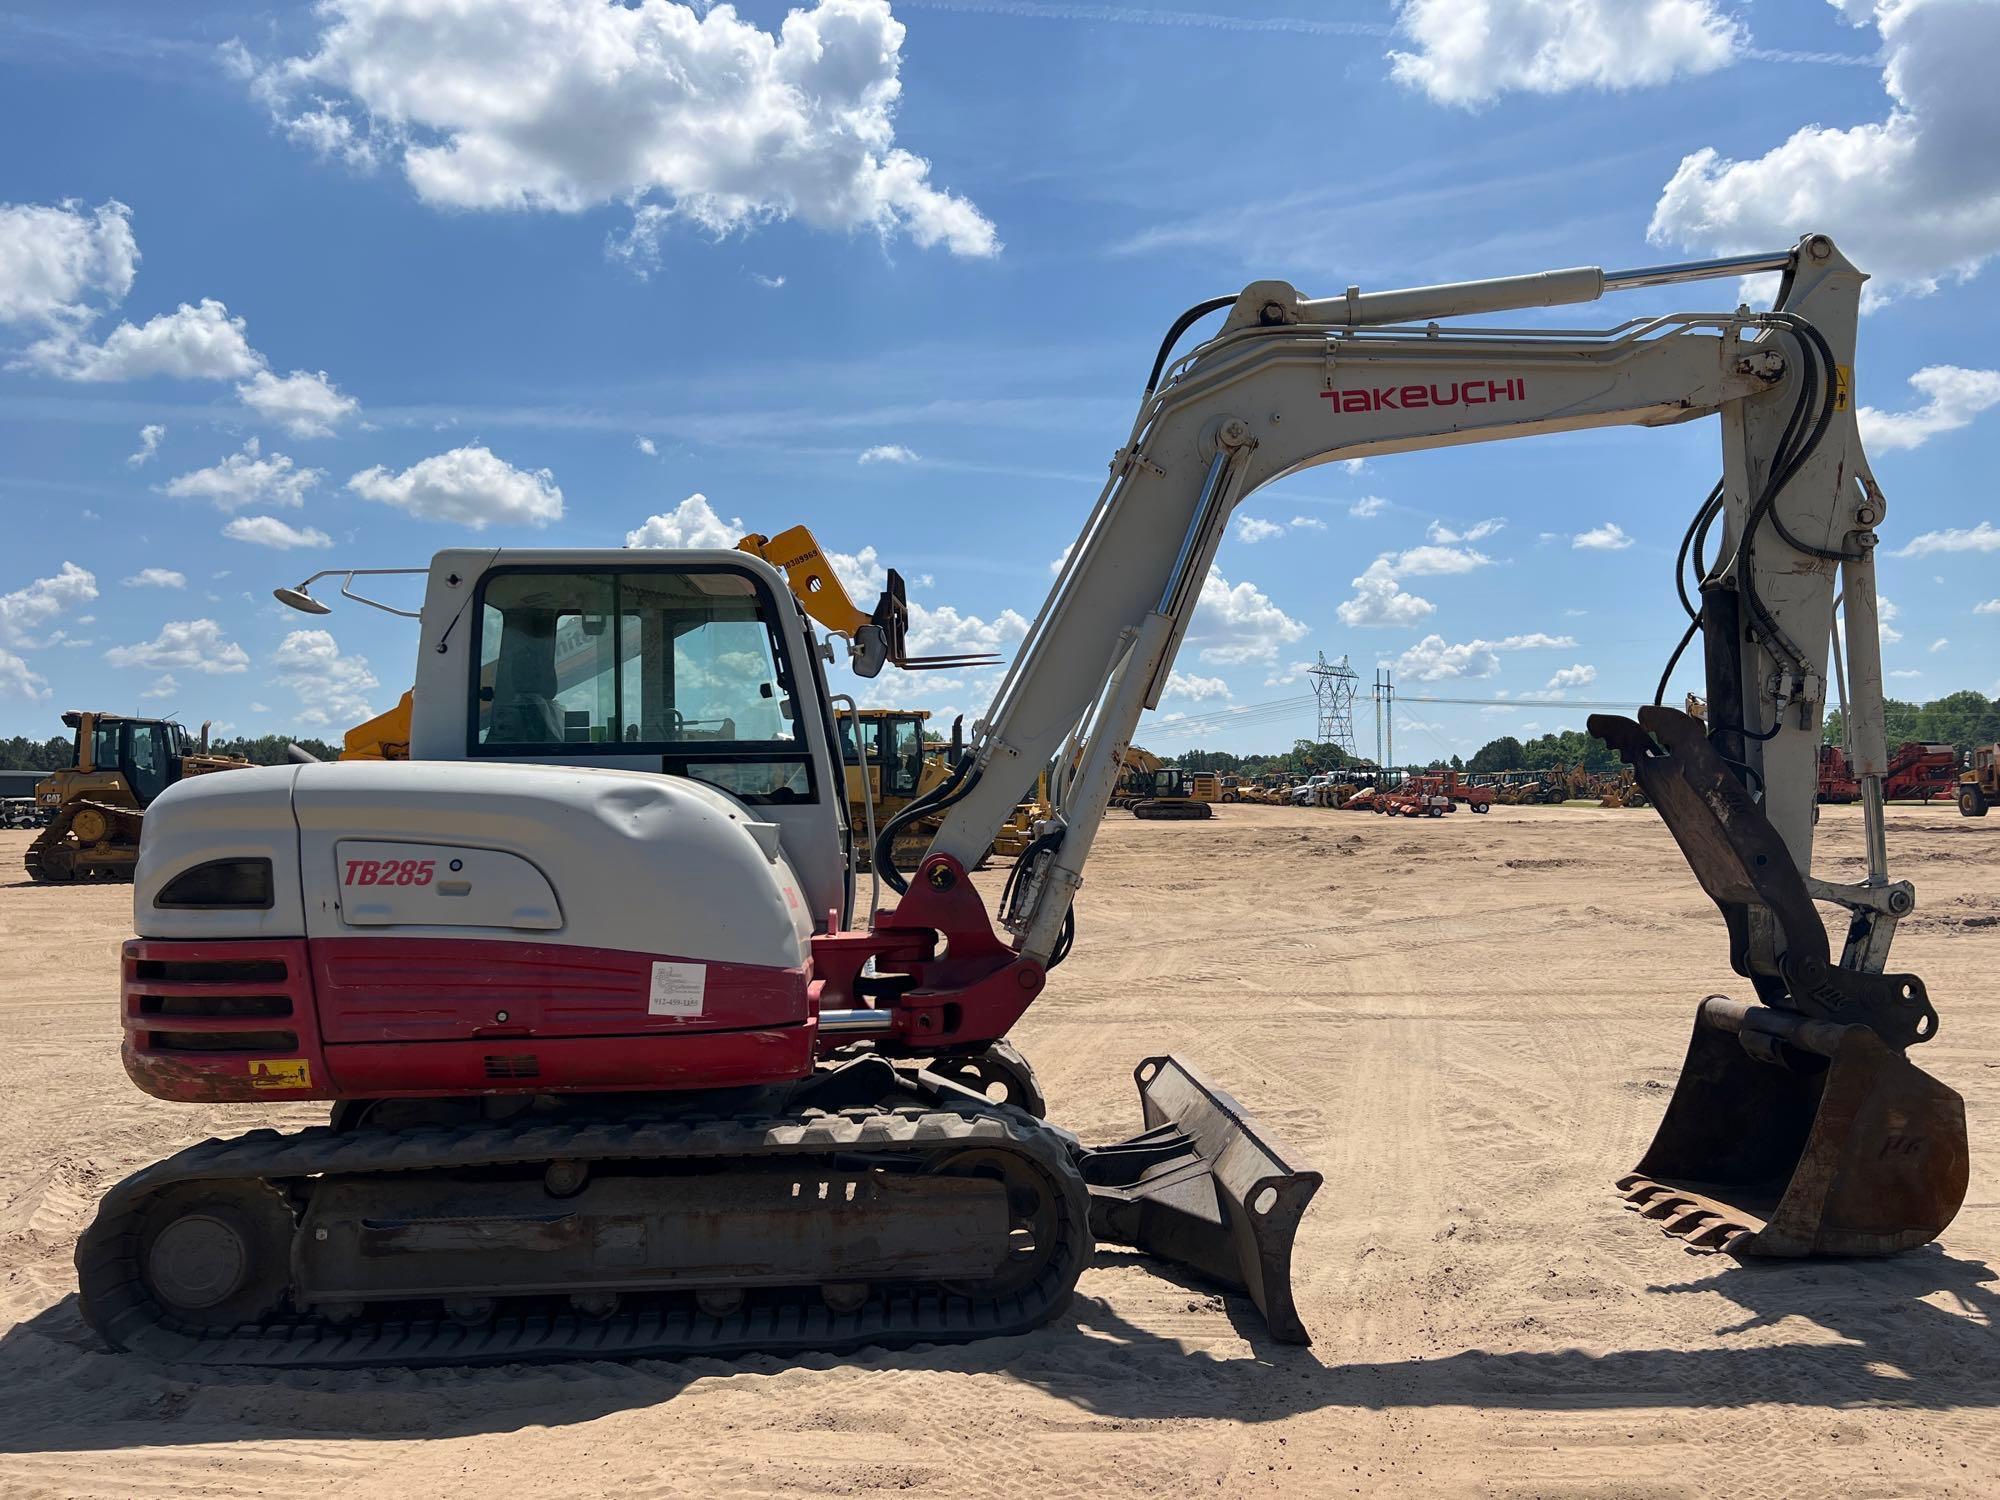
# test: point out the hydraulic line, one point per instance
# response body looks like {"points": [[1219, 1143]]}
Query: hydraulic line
{"points": [[1181, 325], [953, 789]]}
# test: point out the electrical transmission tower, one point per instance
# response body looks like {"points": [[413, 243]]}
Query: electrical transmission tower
{"points": [[1334, 685]]}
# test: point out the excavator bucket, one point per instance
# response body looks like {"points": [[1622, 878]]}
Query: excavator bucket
{"points": [[1799, 1127], [1202, 1187], [1789, 1136]]}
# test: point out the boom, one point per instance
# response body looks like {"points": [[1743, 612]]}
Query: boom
{"points": [[1290, 382]]}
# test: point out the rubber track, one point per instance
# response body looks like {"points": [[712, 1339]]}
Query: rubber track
{"points": [[117, 1307]]}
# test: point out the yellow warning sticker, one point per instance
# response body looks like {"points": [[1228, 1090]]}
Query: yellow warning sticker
{"points": [[1843, 387], [280, 1073]]}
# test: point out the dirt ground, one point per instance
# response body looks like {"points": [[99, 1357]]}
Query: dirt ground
{"points": [[1470, 1025]]}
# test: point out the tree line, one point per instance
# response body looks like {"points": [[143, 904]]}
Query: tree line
{"points": [[58, 753], [1961, 720]]}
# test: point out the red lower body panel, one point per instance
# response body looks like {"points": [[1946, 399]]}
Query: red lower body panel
{"points": [[374, 1018]]}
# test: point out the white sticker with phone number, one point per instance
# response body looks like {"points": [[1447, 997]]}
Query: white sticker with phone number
{"points": [[677, 989]]}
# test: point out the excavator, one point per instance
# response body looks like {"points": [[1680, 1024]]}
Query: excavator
{"points": [[616, 1065]]}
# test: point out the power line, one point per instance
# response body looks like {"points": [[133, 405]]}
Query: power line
{"points": [[1276, 708]]}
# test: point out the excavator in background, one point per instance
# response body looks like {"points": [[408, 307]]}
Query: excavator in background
{"points": [[96, 808], [1134, 777], [1170, 794], [618, 1066]]}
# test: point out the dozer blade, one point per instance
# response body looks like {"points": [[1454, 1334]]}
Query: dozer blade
{"points": [[1203, 1187], [1789, 1136]]}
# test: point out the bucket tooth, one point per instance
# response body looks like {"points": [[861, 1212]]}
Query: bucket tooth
{"points": [[1204, 1188], [1789, 1136]]}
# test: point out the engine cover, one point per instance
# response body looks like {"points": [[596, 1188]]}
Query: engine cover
{"points": [[458, 928]]}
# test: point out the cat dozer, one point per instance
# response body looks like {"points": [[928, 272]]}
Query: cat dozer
{"points": [[618, 1064], [97, 807]]}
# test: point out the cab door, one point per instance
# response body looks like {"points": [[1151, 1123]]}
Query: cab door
{"points": [[148, 761]]}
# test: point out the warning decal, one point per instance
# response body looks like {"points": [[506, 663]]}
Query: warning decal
{"points": [[280, 1073], [677, 989]]}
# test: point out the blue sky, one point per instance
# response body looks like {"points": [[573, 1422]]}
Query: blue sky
{"points": [[387, 283]]}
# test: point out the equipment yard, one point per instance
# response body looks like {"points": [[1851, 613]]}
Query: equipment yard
{"points": [[1471, 1026]]}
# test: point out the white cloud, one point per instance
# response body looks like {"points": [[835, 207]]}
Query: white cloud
{"points": [[1906, 672], [1939, 644], [16, 676], [945, 632], [1913, 199], [200, 342], [1367, 505], [191, 645], [1579, 675], [469, 486], [247, 478], [769, 283], [331, 688], [1479, 531], [1253, 529], [1380, 600], [52, 258], [1196, 688], [1984, 537], [166, 687], [861, 573], [304, 402], [1952, 398], [1990, 607], [1307, 523], [149, 443], [1433, 659], [887, 453], [1379, 595], [156, 578], [1292, 673], [1469, 52], [692, 523], [1418, 562], [565, 105], [1237, 623], [26, 610], [269, 531], [1610, 537], [646, 446], [1885, 614]]}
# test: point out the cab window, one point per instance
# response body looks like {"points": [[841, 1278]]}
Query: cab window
{"points": [[104, 747], [686, 663], [904, 762]]}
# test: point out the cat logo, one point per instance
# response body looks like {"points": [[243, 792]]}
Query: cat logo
{"points": [[280, 1073]]}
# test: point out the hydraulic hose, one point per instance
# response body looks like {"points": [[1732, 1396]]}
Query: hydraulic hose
{"points": [[954, 788], [1181, 325]]}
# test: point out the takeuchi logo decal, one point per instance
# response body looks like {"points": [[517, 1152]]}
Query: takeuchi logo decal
{"points": [[1409, 397]]}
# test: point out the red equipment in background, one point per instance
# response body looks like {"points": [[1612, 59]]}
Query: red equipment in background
{"points": [[1916, 771]]}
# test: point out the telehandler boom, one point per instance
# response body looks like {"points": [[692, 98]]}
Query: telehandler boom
{"points": [[617, 1068]]}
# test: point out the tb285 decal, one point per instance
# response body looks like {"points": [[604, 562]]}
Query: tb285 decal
{"points": [[390, 871]]}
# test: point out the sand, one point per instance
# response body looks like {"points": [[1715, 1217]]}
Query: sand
{"points": [[1470, 1025]]}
